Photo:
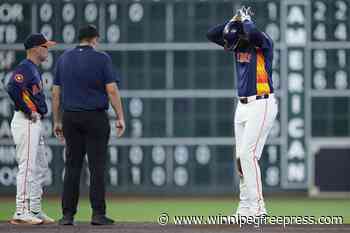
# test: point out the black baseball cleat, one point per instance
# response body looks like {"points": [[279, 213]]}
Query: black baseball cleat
{"points": [[66, 221], [101, 220]]}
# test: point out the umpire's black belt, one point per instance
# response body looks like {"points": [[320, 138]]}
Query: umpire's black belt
{"points": [[245, 100]]}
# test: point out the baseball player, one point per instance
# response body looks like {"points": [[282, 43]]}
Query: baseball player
{"points": [[26, 90], [256, 109]]}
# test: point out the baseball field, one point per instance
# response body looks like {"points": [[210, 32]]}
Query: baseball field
{"points": [[136, 209], [140, 215]]}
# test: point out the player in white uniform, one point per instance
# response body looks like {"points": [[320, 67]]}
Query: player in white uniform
{"points": [[257, 106], [26, 90]]}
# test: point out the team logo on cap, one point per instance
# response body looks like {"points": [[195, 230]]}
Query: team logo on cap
{"points": [[19, 78]]}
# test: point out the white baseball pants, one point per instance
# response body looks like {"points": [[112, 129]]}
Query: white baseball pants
{"points": [[253, 122], [32, 162]]}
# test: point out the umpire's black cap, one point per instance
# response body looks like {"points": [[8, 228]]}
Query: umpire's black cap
{"points": [[87, 32]]}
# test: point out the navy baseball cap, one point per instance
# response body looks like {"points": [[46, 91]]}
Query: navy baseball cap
{"points": [[87, 32], [37, 39]]}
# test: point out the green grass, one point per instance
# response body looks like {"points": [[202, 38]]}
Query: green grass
{"points": [[147, 210]]}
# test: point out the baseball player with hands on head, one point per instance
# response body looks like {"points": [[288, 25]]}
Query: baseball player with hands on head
{"points": [[257, 107], [25, 88]]}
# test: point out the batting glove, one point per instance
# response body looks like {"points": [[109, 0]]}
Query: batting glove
{"points": [[247, 13]]}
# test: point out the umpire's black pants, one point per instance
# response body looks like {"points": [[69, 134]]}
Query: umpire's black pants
{"points": [[85, 132]]}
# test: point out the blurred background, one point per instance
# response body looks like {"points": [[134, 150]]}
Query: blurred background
{"points": [[179, 93]]}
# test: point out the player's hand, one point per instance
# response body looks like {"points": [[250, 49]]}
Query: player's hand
{"points": [[242, 14], [58, 131], [120, 125], [237, 16], [239, 167], [34, 117], [247, 13]]}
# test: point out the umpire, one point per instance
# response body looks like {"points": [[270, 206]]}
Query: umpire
{"points": [[84, 85]]}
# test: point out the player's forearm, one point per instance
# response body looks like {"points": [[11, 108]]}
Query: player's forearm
{"points": [[215, 34], [40, 103], [114, 98], [15, 93], [56, 104], [254, 35]]}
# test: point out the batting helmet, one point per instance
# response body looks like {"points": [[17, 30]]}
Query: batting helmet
{"points": [[233, 34]]}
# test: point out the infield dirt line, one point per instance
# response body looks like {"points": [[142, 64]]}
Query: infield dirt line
{"points": [[83, 227]]}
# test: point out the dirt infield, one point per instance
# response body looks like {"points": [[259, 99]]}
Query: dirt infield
{"points": [[154, 228]]}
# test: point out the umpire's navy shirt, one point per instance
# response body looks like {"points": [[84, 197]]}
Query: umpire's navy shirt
{"points": [[82, 73]]}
